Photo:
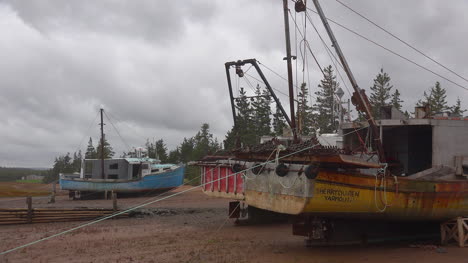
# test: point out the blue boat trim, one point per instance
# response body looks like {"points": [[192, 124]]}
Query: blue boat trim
{"points": [[169, 179]]}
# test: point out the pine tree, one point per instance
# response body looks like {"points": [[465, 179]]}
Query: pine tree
{"points": [[186, 150], [326, 119], [380, 93], [261, 113], [161, 150], [77, 161], [108, 151], [396, 101], [436, 99], [204, 142], [230, 139], [174, 156], [456, 109], [90, 150], [245, 126], [279, 122], [304, 115]]}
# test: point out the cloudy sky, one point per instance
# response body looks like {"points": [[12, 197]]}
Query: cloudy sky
{"points": [[157, 66]]}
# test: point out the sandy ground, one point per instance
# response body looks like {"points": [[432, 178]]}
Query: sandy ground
{"points": [[190, 227]]}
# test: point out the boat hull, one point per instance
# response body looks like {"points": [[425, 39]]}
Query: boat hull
{"points": [[150, 182], [340, 194]]}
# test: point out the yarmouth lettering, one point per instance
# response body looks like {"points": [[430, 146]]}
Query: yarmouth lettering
{"points": [[337, 195]]}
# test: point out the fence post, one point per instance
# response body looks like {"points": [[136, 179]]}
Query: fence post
{"points": [[52, 196], [30, 210], [114, 200]]}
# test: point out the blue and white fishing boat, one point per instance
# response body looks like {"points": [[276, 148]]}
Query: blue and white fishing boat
{"points": [[137, 173]]}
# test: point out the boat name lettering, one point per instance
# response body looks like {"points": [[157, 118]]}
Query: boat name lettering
{"points": [[338, 195]]}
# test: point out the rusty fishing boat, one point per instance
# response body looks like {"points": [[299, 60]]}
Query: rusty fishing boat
{"points": [[410, 169]]}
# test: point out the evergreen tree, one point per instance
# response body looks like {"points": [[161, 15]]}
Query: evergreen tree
{"points": [[380, 93], [77, 161], [161, 150], [457, 109], [186, 150], [279, 122], [261, 113], [90, 150], [436, 98], [396, 101], [245, 126], [204, 142], [174, 156], [326, 119], [230, 139], [304, 115], [108, 151]]}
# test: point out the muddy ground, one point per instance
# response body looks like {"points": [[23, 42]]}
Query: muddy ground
{"points": [[190, 227]]}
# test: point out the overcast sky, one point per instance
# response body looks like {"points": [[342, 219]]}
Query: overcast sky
{"points": [[157, 66]]}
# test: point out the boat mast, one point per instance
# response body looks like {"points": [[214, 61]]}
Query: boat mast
{"points": [[362, 103], [102, 144], [290, 76]]}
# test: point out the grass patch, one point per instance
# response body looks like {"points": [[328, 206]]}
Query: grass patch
{"points": [[14, 189], [31, 181]]}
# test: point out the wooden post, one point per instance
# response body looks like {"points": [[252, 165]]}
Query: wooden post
{"points": [[114, 200], [461, 235], [443, 236], [52, 196], [30, 210]]}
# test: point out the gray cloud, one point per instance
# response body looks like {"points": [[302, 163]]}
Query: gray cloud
{"points": [[157, 67]]}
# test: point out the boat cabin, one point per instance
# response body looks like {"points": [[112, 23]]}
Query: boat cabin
{"points": [[415, 145], [118, 169]]}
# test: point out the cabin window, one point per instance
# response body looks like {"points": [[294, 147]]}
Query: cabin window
{"points": [[114, 166], [144, 166], [154, 170], [167, 168], [113, 176]]}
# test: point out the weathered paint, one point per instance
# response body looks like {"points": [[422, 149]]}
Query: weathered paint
{"points": [[342, 194], [222, 182], [168, 179]]}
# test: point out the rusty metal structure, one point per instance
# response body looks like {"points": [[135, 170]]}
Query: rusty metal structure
{"points": [[390, 170]]}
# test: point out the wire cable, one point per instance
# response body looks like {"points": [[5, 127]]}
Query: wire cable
{"points": [[142, 205], [402, 41], [393, 52]]}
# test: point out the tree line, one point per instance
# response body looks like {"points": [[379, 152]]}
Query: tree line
{"points": [[190, 149], [256, 118]]}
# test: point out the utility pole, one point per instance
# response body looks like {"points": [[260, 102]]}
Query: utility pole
{"points": [[290, 76], [102, 144]]}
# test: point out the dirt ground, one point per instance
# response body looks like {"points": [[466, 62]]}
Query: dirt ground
{"points": [[189, 227]]}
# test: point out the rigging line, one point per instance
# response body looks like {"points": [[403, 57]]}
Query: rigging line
{"points": [[145, 204], [402, 41], [118, 133], [279, 91], [249, 83], [295, 43], [329, 53], [120, 120], [305, 42], [310, 50], [87, 130], [248, 68], [393, 52]]}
